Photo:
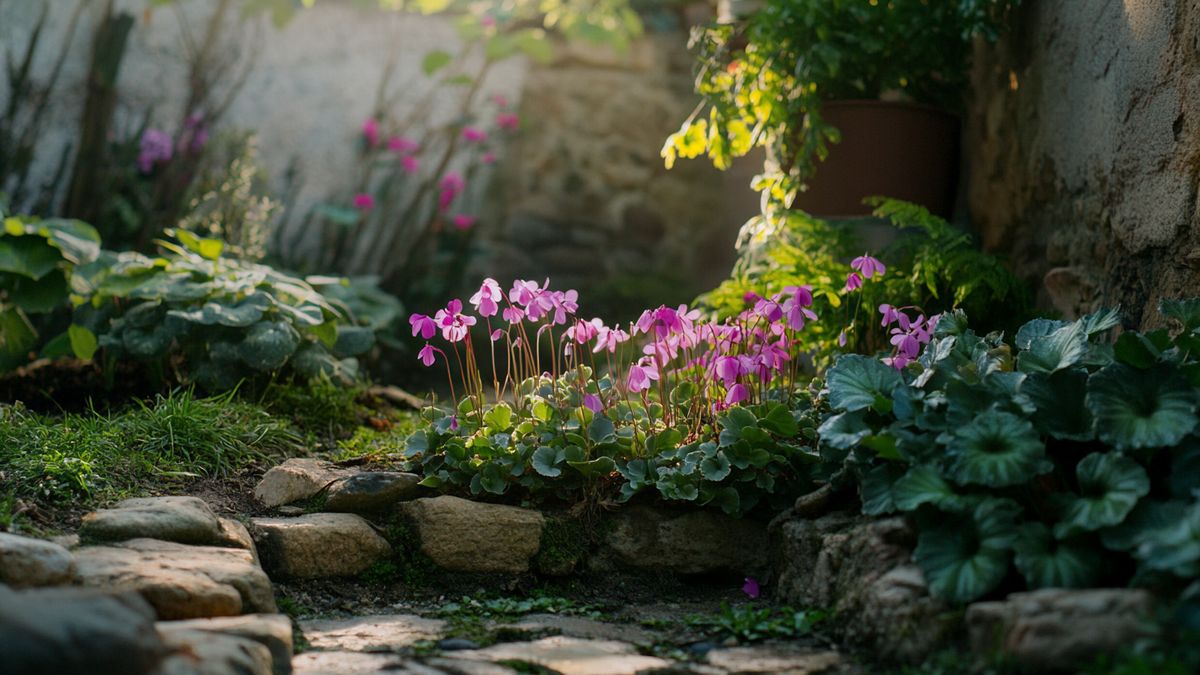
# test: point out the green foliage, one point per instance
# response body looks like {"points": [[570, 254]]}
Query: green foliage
{"points": [[763, 83], [37, 261], [933, 266], [1066, 455], [548, 445], [751, 623], [51, 459]]}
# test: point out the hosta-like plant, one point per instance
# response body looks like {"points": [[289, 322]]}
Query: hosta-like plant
{"points": [[1063, 457]]}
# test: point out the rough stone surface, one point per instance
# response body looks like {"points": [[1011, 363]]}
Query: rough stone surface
{"points": [[294, 480], [185, 520], [273, 631], [70, 630], [347, 663], [369, 492], [27, 562], [1083, 149], [859, 568], [580, 627], [570, 656], [1057, 629], [782, 660], [318, 545], [199, 652], [181, 582], [684, 542], [235, 535], [466, 536], [371, 633]]}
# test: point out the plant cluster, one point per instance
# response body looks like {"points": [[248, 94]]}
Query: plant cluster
{"points": [[934, 266], [763, 82], [750, 623], [1068, 456]]}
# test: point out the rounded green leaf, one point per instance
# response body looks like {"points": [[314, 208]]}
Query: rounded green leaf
{"points": [[1148, 408], [546, 460], [268, 345], [1110, 485], [877, 489], [844, 431], [966, 557], [1060, 401], [715, 468], [83, 341], [925, 485], [1063, 348], [353, 341], [997, 449], [1048, 563], [1176, 547], [499, 417], [859, 382]]}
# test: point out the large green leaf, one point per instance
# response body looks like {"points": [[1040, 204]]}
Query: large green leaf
{"points": [[1048, 563], [546, 461], [1060, 401], [17, 338], [844, 431], [268, 345], [1175, 548], [37, 296], [1036, 329], [1141, 408], [1186, 312], [353, 341], [240, 314], [1185, 468], [715, 468], [1147, 518], [1063, 348], [997, 449], [877, 489], [859, 382], [966, 557], [1110, 485], [28, 256], [926, 485]]}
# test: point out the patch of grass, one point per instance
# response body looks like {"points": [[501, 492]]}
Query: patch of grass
{"points": [[382, 446], [318, 408], [751, 623], [292, 608], [472, 617], [51, 459]]}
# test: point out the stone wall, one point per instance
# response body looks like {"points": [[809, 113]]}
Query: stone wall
{"points": [[1083, 146]]}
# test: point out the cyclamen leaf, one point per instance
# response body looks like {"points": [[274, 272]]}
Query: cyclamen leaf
{"points": [[1048, 563], [1175, 548], [1065, 347], [546, 460], [1141, 408], [1036, 330], [997, 449], [268, 345], [1111, 485], [859, 382], [925, 485], [965, 558], [877, 489], [1060, 401], [716, 468]]}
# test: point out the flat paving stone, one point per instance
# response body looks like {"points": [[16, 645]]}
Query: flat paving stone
{"points": [[582, 627], [774, 659], [371, 633], [370, 491], [185, 520], [318, 545], [198, 652], [26, 562], [570, 656], [273, 631]]}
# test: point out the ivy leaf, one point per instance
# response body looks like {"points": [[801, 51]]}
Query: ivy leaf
{"points": [[1060, 401], [997, 449], [966, 557], [1065, 347], [1048, 563], [877, 489], [859, 382], [1111, 485], [926, 485], [1141, 408]]}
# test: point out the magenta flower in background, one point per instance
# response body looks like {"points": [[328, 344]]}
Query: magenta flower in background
{"points": [[410, 164], [370, 131], [488, 158], [607, 339], [592, 402], [427, 355], [853, 282], [473, 135], [890, 314], [463, 221], [751, 588], [423, 325], [451, 186], [402, 145], [641, 374], [155, 147], [455, 325], [497, 334], [513, 314], [737, 393], [488, 21], [486, 298], [842, 338], [869, 266], [364, 202], [508, 121], [500, 100]]}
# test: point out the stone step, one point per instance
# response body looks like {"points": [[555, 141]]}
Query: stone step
{"points": [[318, 545]]}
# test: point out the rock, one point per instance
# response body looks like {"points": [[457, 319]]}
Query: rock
{"points": [[456, 644], [859, 568], [371, 633], [780, 659], [347, 663], [436, 665], [295, 479], [370, 492], [72, 630], [318, 545], [235, 535], [199, 652], [27, 562], [273, 631], [185, 520], [181, 582], [466, 536], [290, 511], [569, 656], [580, 627], [688, 542], [1058, 629]]}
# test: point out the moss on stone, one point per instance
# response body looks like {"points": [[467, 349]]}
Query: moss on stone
{"points": [[565, 542]]}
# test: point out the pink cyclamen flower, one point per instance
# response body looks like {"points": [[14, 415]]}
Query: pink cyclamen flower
{"points": [[497, 334], [750, 298], [607, 339], [410, 164], [868, 265], [473, 135], [737, 393], [402, 145], [451, 186], [370, 131], [584, 332], [641, 374], [423, 325], [751, 588], [463, 221], [890, 314], [592, 402], [853, 282], [488, 21], [842, 338], [500, 100], [454, 324], [508, 121], [486, 299], [364, 202], [513, 314], [427, 355], [488, 158], [155, 147]]}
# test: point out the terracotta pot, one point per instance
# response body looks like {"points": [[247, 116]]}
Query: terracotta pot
{"points": [[900, 150]]}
